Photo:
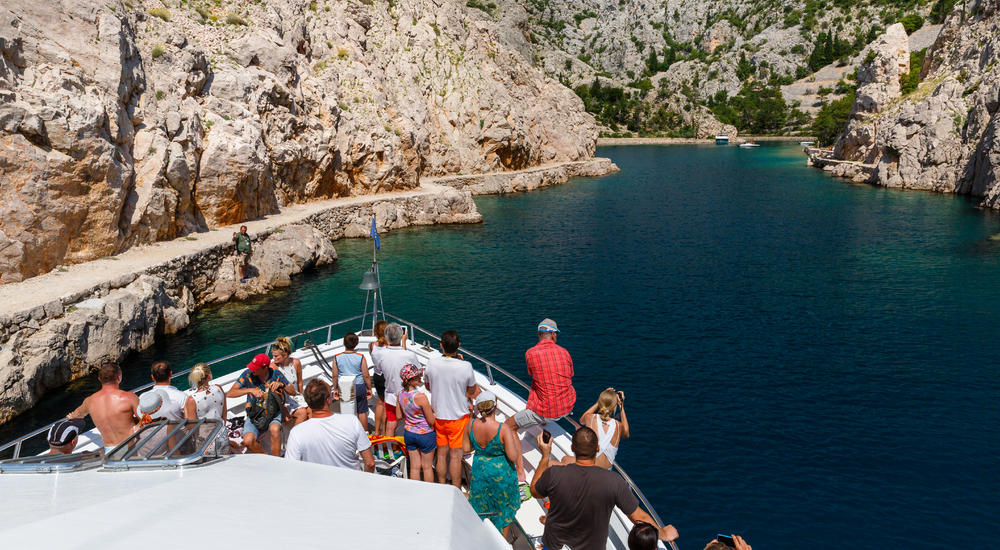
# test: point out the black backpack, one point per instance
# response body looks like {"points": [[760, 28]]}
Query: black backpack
{"points": [[262, 412]]}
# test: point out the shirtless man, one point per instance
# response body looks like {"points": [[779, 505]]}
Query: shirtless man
{"points": [[112, 409]]}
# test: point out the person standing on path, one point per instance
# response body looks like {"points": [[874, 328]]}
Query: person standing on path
{"points": [[552, 395], [243, 250], [581, 497], [452, 384], [113, 410]]}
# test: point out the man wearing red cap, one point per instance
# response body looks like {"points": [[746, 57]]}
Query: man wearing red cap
{"points": [[258, 379]]}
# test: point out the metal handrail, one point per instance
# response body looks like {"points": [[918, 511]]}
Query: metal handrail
{"points": [[16, 443], [320, 360], [490, 367]]}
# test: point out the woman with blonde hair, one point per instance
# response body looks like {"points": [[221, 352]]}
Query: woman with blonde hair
{"points": [[599, 417], [493, 484], [207, 400], [291, 369]]}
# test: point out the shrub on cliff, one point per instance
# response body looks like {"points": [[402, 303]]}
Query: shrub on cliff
{"points": [[912, 22], [941, 10], [831, 119]]}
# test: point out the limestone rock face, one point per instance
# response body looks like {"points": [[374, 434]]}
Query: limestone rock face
{"points": [[942, 136], [878, 84], [95, 330], [282, 254], [123, 123]]}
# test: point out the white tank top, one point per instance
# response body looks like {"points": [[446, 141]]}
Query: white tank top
{"points": [[606, 430], [292, 401]]}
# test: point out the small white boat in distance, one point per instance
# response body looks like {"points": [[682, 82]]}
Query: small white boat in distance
{"points": [[722, 139], [806, 143], [749, 144]]}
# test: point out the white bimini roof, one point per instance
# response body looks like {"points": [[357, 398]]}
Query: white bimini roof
{"points": [[247, 502]]}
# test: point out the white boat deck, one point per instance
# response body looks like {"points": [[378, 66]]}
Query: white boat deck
{"points": [[260, 482]]}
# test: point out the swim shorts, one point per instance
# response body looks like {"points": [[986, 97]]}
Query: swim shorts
{"points": [[378, 380], [450, 432], [390, 413]]}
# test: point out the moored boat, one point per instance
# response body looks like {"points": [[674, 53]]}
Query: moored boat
{"points": [[722, 139]]}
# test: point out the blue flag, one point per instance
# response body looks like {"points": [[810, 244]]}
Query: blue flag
{"points": [[374, 234]]}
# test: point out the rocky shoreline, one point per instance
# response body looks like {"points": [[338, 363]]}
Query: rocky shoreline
{"points": [[733, 139], [55, 327], [942, 133]]}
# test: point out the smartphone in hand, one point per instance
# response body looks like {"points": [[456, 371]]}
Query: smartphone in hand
{"points": [[726, 540], [546, 437]]}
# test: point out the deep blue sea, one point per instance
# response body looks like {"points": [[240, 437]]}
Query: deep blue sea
{"points": [[807, 362]]}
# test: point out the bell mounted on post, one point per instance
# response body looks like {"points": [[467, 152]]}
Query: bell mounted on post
{"points": [[372, 285]]}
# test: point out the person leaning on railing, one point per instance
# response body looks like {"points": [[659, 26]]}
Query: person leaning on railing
{"points": [[582, 496]]}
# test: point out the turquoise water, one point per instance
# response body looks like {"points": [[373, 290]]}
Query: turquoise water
{"points": [[807, 361]]}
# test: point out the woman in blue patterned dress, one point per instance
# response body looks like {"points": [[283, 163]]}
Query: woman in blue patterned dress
{"points": [[493, 488]]}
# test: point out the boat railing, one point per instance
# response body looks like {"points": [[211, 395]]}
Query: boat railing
{"points": [[20, 443], [412, 330], [491, 367]]}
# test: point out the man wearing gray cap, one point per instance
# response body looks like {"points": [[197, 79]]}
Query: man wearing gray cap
{"points": [[552, 395]]}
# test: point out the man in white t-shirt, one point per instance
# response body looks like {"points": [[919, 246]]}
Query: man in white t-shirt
{"points": [[161, 373], [327, 438], [452, 384], [391, 361]]}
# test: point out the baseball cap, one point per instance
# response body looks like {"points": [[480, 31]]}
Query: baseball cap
{"points": [[410, 371], [62, 432], [260, 361], [150, 402], [547, 325]]}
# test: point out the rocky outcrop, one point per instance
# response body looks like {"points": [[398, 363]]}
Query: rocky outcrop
{"points": [[124, 123], [878, 85], [286, 252], [52, 341], [942, 136], [527, 180]]}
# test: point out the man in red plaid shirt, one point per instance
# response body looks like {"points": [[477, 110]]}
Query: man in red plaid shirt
{"points": [[552, 395]]}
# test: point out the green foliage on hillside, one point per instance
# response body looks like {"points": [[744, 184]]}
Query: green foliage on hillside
{"points": [[831, 119], [912, 22], [941, 10], [909, 81], [614, 108], [759, 108], [829, 47]]}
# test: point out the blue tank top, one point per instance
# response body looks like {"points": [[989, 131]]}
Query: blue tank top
{"points": [[348, 363]]}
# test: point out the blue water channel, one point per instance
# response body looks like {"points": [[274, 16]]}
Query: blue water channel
{"points": [[807, 362]]}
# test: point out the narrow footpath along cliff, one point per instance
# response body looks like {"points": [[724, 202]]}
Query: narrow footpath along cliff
{"points": [[942, 136], [135, 121]]}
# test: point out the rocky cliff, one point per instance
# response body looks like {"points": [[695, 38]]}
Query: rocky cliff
{"points": [[945, 134], [685, 56], [127, 122]]}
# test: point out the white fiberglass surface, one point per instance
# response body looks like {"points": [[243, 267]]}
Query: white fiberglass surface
{"points": [[249, 501]]}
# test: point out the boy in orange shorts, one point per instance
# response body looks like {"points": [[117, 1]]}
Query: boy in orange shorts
{"points": [[452, 384]]}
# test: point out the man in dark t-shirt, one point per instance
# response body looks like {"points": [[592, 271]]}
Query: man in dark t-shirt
{"points": [[581, 497]]}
